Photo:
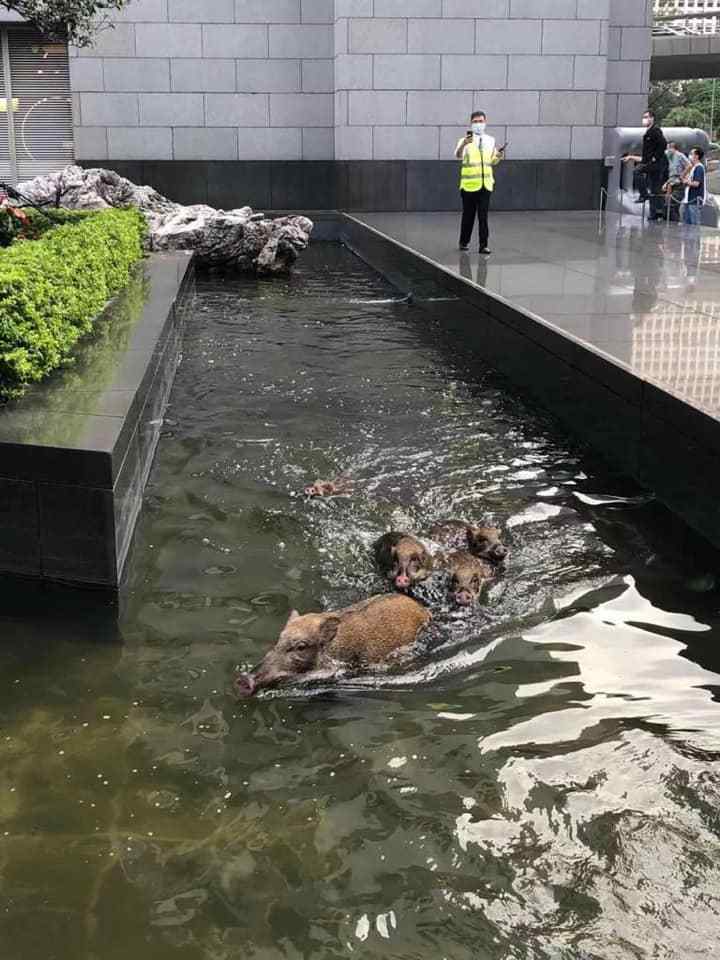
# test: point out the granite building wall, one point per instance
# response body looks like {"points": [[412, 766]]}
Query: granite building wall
{"points": [[406, 86], [629, 54], [208, 80], [346, 85]]}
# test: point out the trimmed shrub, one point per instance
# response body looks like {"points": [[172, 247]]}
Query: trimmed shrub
{"points": [[51, 290], [94, 364]]}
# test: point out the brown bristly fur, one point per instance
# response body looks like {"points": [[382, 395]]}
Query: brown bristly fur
{"points": [[371, 630]]}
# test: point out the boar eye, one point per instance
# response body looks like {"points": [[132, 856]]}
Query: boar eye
{"points": [[476, 583]]}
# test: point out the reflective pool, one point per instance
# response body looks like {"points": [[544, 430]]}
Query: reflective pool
{"points": [[544, 786]]}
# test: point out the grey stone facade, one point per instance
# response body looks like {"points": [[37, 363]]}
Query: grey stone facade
{"points": [[551, 74], [358, 79], [629, 52], [208, 80]]}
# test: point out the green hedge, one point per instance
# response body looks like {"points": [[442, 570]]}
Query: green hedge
{"points": [[51, 290], [43, 411]]}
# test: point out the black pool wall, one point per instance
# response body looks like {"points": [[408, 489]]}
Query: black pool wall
{"points": [[362, 185]]}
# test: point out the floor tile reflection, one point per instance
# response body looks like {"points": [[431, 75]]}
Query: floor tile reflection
{"points": [[646, 294]]}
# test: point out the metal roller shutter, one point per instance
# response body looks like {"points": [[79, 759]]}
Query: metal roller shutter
{"points": [[6, 167], [39, 107]]}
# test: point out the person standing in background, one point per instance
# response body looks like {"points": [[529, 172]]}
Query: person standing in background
{"points": [[695, 192], [675, 186], [653, 163], [479, 157]]}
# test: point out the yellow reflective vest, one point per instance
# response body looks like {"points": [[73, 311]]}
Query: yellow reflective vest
{"points": [[477, 168]]}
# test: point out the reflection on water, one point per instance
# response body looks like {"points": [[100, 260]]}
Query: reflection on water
{"points": [[543, 785]]}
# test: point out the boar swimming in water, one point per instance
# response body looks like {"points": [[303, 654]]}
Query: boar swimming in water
{"points": [[468, 576], [478, 539], [402, 559], [339, 487], [363, 635]]}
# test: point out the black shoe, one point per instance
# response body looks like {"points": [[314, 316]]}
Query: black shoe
{"points": [[463, 246], [485, 250]]}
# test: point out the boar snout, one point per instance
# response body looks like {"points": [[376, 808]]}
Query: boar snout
{"points": [[245, 685], [402, 581], [272, 671], [463, 598]]}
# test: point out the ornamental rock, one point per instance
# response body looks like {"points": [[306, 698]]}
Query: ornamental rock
{"points": [[234, 239]]}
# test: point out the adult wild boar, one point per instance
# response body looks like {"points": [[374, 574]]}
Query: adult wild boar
{"points": [[361, 636]]}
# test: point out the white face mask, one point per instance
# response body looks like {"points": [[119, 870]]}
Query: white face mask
{"points": [[646, 121], [479, 129]]}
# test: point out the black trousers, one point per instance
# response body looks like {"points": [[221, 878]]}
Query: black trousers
{"points": [[655, 182], [640, 184], [475, 204]]}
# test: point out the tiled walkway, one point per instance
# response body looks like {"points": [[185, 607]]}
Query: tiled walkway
{"points": [[648, 295]]}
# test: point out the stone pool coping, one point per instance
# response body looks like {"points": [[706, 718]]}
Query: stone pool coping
{"points": [[76, 451]]}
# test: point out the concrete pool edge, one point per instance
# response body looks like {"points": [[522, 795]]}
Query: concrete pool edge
{"points": [[662, 441], [75, 461]]}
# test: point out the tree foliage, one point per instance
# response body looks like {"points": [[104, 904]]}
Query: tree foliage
{"points": [[687, 103], [685, 117], [76, 20]]}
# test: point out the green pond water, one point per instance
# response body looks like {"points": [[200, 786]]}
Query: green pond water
{"points": [[543, 785]]}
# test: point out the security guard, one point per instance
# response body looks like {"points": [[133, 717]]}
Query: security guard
{"points": [[477, 180]]}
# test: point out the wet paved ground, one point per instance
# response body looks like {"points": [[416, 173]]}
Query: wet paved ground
{"points": [[646, 294]]}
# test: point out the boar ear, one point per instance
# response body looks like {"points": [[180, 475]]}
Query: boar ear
{"points": [[328, 629], [293, 616]]}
